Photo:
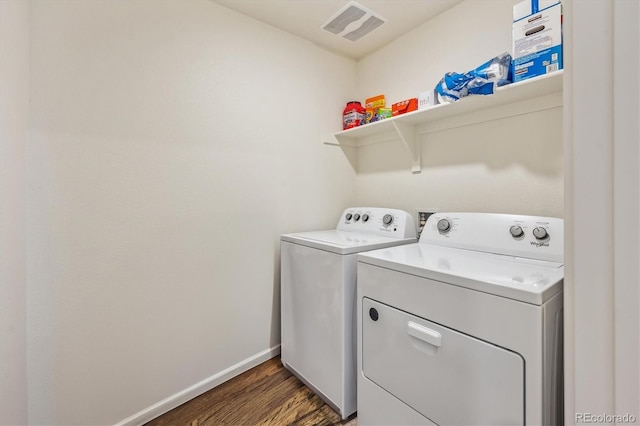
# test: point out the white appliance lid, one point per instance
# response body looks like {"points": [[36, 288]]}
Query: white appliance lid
{"points": [[527, 280], [344, 242]]}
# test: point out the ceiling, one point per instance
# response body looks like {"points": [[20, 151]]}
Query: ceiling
{"points": [[305, 18]]}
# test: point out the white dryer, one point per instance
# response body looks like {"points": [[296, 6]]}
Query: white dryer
{"points": [[318, 289], [464, 327]]}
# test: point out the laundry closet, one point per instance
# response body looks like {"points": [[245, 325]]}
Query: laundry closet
{"points": [[164, 147]]}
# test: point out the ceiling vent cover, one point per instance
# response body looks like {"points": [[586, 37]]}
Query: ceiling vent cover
{"points": [[353, 22]]}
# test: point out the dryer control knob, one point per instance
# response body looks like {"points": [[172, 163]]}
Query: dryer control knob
{"points": [[444, 225], [356, 217], [516, 231], [365, 217], [348, 216], [540, 233], [387, 219]]}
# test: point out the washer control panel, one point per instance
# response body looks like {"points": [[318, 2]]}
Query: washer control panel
{"points": [[379, 221], [533, 237]]}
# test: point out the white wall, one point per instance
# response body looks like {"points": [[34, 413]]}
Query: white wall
{"points": [[626, 207], [510, 165], [602, 320], [14, 132], [171, 144]]}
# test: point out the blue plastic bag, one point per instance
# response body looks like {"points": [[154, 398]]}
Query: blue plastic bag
{"points": [[479, 81]]}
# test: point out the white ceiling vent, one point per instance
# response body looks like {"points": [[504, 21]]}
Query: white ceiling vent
{"points": [[353, 22]]}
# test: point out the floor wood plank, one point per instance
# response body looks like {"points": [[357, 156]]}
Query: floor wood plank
{"points": [[267, 395]]}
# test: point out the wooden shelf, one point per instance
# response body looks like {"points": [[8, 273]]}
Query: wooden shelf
{"points": [[536, 94]]}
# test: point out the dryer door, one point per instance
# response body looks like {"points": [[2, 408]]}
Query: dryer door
{"points": [[449, 377]]}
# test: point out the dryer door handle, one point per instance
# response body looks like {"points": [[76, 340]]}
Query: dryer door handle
{"points": [[425, 334]]}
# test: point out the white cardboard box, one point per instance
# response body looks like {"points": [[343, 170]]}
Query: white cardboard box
{"points": [[537, 39], [529, 7], [427, 99]]}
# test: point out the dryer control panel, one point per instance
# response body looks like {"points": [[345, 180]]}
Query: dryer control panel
{"points": [[531, 237], [378, 221]]}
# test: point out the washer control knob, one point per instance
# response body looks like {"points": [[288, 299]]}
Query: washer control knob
{"points": [[365, 217], [444, 225], [540, 233], [348, 216], [387, 219], [356, 217], [516, 231]]}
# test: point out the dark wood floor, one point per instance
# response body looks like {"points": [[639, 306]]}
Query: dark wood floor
{"points": [[265, 395]]}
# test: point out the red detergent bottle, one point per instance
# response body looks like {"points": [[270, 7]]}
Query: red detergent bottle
{"points": [[353, 115]]}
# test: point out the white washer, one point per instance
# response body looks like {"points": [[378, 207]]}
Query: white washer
{"points": [[464, 327], [318, 288]]}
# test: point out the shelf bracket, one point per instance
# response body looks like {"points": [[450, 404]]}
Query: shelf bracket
{"points": [[331, 140], [409, 137], [348, 150]]}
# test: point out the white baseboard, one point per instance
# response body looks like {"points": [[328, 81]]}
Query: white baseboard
{"points": [[199, 388]]}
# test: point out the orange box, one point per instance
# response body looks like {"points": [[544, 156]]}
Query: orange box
{"points": [[375, 102], [404, 106]]}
